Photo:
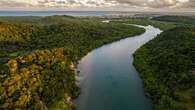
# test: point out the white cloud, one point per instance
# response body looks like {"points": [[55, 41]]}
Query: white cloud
{"points": [[99, 3]]}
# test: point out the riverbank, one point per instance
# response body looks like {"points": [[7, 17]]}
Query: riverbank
{"points": [[39, 76], [107, 78], [165, 65], [145, 22]]}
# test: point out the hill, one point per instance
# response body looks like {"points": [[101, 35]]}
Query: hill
{"points": [[38, 57]]}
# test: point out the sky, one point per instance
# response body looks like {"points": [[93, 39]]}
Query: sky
{"points": [[102, 5]]}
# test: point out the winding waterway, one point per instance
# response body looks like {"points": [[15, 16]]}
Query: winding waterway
{"points": [[108, 79]]}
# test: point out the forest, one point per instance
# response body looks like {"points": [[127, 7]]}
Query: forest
{"points": [[38, 57], [145, 21], [166, 64], [185, 20]]}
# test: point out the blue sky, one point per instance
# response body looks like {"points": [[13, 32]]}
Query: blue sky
{"points": [[112, 5]]}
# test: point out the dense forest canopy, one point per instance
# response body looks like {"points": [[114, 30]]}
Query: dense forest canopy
{"points": [[189, 20], [38, 55], [166, 64], [146, 21]]}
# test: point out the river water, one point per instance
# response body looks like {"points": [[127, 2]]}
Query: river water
{"points": [[108, 79]]}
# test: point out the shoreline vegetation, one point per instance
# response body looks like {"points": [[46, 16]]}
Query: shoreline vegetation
{"points": [[145, 22], [166, 66], [37, 58]]}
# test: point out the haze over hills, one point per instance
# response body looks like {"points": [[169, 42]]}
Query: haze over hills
{"points": [[96, 13]]}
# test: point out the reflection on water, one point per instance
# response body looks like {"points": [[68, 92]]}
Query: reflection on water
{"points": [[109, 81]]}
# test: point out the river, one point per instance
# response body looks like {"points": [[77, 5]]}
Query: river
{"points": [[108, 79]]}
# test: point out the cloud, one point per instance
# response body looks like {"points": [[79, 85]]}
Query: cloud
{"points": [[163, 3], [13, 3], [189, 4], [99, 3], [153, 3]]}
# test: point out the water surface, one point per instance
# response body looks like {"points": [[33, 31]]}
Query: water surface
{"points": [[108, 79]]}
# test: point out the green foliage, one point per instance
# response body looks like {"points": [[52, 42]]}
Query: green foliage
{"points": [[37, 61], [165, 65], [14, 32], [147, 21], [177, 19], [36, 79], [162, 25]]}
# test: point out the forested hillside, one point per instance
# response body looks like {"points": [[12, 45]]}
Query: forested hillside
{"points": [[38, 56], [190, 20], [167, 66]]}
